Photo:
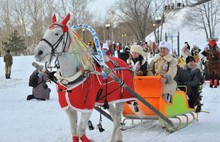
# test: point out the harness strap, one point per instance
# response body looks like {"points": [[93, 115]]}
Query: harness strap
{"points": [[79, 76], [55, 45]]}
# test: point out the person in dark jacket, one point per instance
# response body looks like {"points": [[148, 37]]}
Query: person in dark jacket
{"points": [[41, 91], [190, 76], [8, 59]]}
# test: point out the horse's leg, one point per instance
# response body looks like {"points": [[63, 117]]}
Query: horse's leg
{"points": [[112, 112], [72, 114], [82, 126], [116, 116], [119, 110]]}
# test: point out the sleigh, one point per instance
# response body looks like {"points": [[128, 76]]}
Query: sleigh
{"points": [[150, 88]]}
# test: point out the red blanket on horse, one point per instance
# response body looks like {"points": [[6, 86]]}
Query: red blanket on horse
{"points": [[85, 95]]}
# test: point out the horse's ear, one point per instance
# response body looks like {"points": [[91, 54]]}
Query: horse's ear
{"points": [[66, 19], [54, 18]]}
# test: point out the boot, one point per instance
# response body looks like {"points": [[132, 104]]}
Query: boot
{"points": [[215, 83], [30, 97], [7, 76], [210, 83], [75, 139], [84, 139]]}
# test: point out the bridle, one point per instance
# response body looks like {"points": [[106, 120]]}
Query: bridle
{"points": [[76, 78], [55, 46]]}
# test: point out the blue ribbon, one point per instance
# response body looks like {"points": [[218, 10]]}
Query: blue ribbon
{"points": [[96, 41]]}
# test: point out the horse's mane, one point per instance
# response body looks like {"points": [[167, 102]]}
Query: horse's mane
{"points": [[81, 57]]}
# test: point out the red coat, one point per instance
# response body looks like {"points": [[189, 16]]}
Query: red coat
{"points": [[154, 46], [118, 47]]}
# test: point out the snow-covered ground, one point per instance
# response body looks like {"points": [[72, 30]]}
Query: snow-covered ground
{"points": [[44, 121]]}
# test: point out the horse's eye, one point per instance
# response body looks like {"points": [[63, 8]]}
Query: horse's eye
{"points": [[56, 34]]}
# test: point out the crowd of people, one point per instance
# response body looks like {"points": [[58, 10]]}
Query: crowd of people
{"points": [[164, 63]]}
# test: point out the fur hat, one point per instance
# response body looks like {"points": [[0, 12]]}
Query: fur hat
{"points": [[136, 48], [165, 44], [189, 59]]}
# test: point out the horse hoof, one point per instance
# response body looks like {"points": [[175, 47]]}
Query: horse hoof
{"points": [[210, 86]]}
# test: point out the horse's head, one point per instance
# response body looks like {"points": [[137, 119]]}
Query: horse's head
{"points": [[53, 42]]}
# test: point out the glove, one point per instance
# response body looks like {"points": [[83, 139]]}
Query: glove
{"points": [[139, 73], [163, 80], [167, 78]]}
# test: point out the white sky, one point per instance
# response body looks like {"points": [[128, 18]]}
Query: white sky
{"points": [[101, 6]]}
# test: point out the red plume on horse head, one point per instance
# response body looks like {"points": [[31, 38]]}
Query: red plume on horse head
{"points": [[54, 19], [63, 23]]}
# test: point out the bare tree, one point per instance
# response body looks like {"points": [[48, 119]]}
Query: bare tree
{"points": [[20, 10], [6, 15], [6, 20], [205, 16], [50, 8], [32, 17], [138, 15], [35, 11], [78, 10]]}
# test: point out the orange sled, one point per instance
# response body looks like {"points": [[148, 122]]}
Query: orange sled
{"points": [[151, 89]]}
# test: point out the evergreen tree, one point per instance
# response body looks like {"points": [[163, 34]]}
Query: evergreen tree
{"points": [[15, 43]]}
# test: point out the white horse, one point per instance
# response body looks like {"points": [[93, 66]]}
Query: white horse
{"points": [[79, 79]]}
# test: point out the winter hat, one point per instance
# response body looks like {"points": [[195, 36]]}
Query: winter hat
{"points": [[189, 59], [165, 44], [105, 49], [136, 48], [212, 43]]}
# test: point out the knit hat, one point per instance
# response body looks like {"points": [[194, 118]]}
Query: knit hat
{"points": [[189, 59], [165, 44], [136, 48]]}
